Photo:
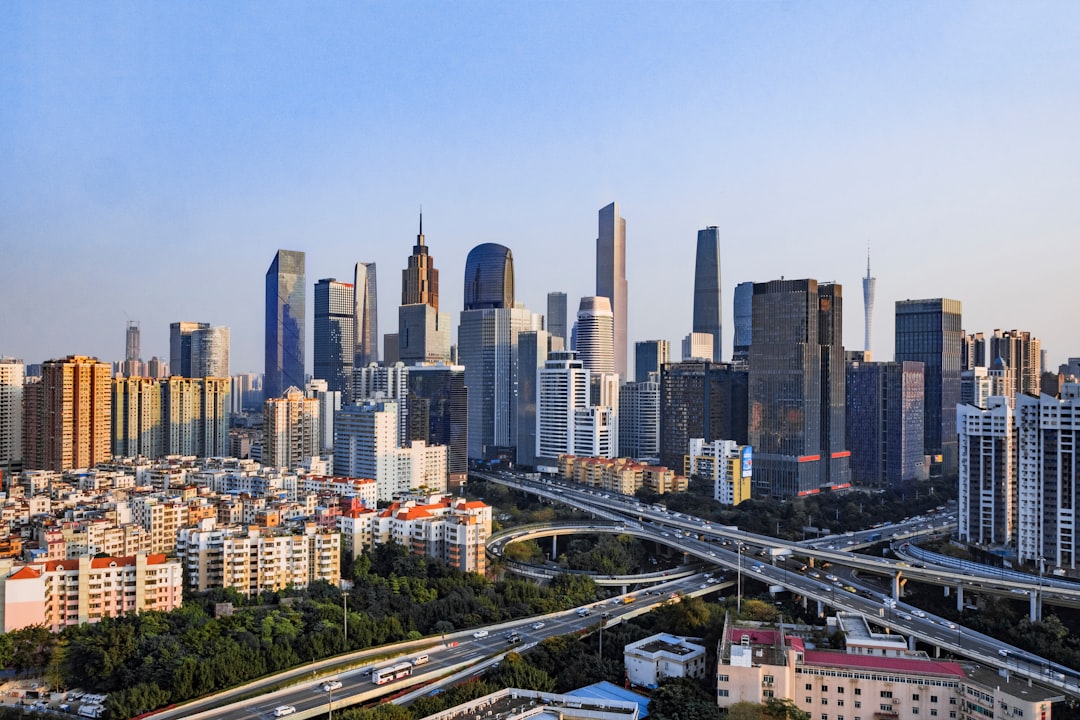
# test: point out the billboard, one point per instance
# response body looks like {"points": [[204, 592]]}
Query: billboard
{"points": [[747, 461]]}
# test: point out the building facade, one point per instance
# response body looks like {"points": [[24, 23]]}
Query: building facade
{"points": [[649, 356], [438, 413], [365, 316], [420, 279], [700, 400], [556, 316], [210, 352], [707, 301], [743, 319], [611, 277], [68, 415], [987, 511], [180, 346], [290, 429], [725, 464], [885, 422], [698, 346], [594, 335], [335, 344], [12, 379], [639, 420]]}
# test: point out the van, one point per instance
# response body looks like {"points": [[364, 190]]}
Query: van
{"points": [[420, 659], [283, 710]]}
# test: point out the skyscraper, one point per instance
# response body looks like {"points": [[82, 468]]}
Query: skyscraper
{"points": [[929, 331], [180, 346], [556, 315], [797, 389], [700, 400], [12, 378], [420, 280], [438, 413], [285, 323], [532, 354], [335, 346], [649, 355], [131, 350], [611, 276], [423, 334], [489, 277], [366, 315], [743, 312], [639, 419], [290, 429], [594, 340], [68, 415], [210, 352], [868, 306], [885, 422], [707, 305], [1021, 352]]}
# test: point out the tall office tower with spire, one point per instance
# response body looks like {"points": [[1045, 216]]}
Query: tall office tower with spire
{"points": [[594, 339], [335, 346], [487, 347], [180, 346], [1022, 355], [797, 389], [12, 379], [420, 280], [743, 312], [707, 306], [285, 323], [68, 415], [423, 332], [365, 315], [556, 316], [611, 276], [868, 284], [929, 331]]}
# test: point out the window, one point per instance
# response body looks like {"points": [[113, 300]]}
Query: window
{"points": [[915, 697], [824, 716], [858, 691], [886, 694], [933, 698], [824, 688], [721, 693], [809, 686], [885, 708], [914, 711], [858, 704], [933, 713], [768, 693], [952, 713], [840, 703], [722, 678], [840, 689], [952, 701], [824, 701], [808, 699], [767, 679]]}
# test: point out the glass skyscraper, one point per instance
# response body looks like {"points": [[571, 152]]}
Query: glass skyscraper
{"points": [[489, 277], [707, 318], [334, 325], [285, 323], [649, 355], [556, 315], [611, 275], [365, 315], [929, 331]]}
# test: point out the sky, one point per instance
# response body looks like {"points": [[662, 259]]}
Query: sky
{"points": [[154, 156]]}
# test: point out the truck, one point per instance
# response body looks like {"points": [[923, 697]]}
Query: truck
{"points": [[873, 537], [628, 599]]}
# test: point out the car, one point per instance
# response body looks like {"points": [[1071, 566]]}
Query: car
{"points": [[814, 574], [950, 625], [905, 616], [538, 624], [831, 578], [331, 685], [480, 634], [713, 581], [283, 710], [918, 613], [605, 614]]}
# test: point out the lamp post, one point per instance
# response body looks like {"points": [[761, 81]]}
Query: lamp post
{"points": [[330, 702], [738, 601]]}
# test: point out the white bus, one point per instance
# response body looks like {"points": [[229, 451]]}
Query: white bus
{"points": [[383, 675]]}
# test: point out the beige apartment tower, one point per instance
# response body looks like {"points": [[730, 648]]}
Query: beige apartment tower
{"points": [[68, 415]]}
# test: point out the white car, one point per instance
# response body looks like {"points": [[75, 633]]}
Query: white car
{"points": [[331, 685], [283, 710], [538, 624], [918, 613], [480, 634]]}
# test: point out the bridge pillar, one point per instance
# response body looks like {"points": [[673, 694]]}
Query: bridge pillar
{"points": [[625, 588], [945, 590], [959, 598], [820, 609], [1035, 609], [554, 548], [897, 586], [911, 643]]}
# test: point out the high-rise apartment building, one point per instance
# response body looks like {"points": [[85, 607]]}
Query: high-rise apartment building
{"points": [[137, 419], [290, 429], [929, 331], [556, 315], [12, 378], [365, 315], [420, 280], [885, 422], [196, 416], [707, 304], [210, 352], [649, 355], [743, 317], [700, 400], [562, 390], [1022, 355], [987, 467], [594, 336], [329, 404], [335, 346], [180, 346], [972, 351], [797, 389], [286, 294], [611, 276], [385, 382], [868, 285], [68, 415]]}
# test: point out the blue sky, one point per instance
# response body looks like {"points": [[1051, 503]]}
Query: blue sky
{"points": [[155, 156]]}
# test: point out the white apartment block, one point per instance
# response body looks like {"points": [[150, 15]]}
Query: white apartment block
{"points": [[987, 457], [290, 429], [377, 382], [252, 560], [357, 531], [596, 432], [363, 488], [70, 592], [724, 463], [661, 656], [12, 377], [452, 529]]}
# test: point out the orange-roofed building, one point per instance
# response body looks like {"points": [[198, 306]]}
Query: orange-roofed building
{"points": [[452, 529]]}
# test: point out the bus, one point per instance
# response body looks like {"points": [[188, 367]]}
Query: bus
{"points": [[383, 675]]}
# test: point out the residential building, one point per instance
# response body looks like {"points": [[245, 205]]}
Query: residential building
{"points": [[649, 356], [930, 332], [533, 347], [611, 277], [724, 463], [290, 429], [1021, 353], [797, 389], [987, 466], [707, 302], [329, 404], [195, 416], [365, 316], [335, 346], [972, 351], [885, 422], [286, 291], [68, 415], [162, 517], [12, 379], [700, 400], [621, 475], [639, 420], [556, 316], [976, 386], [59, 593], [385, 382], [137, 417], [451, 529], [594, 335], [662, 656], [562, 389]]}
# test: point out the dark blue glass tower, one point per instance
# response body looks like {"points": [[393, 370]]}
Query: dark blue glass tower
{"points": [[707, 288], [489, 277], [285, 334]]}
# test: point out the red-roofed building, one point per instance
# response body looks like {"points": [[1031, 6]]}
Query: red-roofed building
{"points": [[759, 663], [446, 527], [57, 593]]}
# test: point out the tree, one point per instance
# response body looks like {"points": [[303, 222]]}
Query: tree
{"points": [[777, 709], [745, 711], [682, 699]]}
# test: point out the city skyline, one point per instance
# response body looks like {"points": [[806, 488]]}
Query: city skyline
{"points": [[801, 134]]}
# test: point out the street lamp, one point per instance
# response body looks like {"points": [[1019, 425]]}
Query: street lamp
{"points": [[738, 601], [330, 702]]}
